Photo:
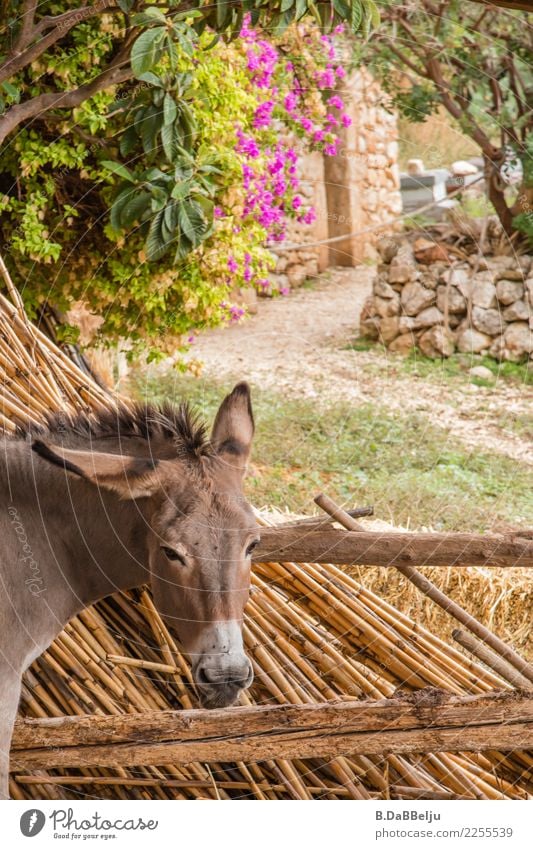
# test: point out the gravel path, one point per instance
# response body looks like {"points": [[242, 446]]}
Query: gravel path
{"points": [[298, 345]]}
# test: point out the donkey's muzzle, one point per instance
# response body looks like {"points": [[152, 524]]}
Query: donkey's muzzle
{"points": [[219, 684]]}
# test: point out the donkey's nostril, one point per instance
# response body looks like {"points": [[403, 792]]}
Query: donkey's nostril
{"points": [[237, 676], [202, 676]]}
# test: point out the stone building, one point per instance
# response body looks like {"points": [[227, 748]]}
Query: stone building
{"points": [[357, 190]]}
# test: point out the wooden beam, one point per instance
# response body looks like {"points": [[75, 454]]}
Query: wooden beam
{"points": [[332, 545], [428, 720]]}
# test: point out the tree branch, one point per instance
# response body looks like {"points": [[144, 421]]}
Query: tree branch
{"points": [[26, 28], [62, 24], [404, 59], [63, 99]]}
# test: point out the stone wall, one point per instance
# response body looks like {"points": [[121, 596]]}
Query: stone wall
{"points": [[440, 305], [357, 189]]}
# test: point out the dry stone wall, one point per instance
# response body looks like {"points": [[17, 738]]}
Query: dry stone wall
{"points": [[480, 306]]}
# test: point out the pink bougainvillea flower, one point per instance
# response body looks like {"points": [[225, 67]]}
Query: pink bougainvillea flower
{"points": [[326, 79], [269, 168], [330, 149], [346, 120], [291, 101], [336, 101], [263, 115]]}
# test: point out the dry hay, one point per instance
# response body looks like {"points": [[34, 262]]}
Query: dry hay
{"points": [[312, 631], [502, 599]]}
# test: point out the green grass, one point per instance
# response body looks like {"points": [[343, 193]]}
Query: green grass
{"points": [[410, 471], [458, 365]]}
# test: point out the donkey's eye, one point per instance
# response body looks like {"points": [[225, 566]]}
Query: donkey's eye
{"points": [[172, 555], [251, 547]]}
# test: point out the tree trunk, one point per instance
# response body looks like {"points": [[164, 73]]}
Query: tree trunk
{"points": [[496, 196]]}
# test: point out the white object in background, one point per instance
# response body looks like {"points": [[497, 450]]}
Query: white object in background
{"points": [[462, 168], [415, 166]]}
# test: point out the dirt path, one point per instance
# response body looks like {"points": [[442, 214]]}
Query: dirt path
{"points": [[298, 345]]}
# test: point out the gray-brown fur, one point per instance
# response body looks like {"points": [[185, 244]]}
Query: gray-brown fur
{"points": [[85, 509]]}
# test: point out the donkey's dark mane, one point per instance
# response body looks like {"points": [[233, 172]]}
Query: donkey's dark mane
{"points": [[179, 426]]}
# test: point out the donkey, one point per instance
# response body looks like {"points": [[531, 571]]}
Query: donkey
{"points": [[94, 504]]}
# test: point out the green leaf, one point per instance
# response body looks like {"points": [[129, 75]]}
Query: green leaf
{"points": [[169, 223], [181, 190], [342, 8], [223, 13], [148, 128], [286, 5], [147, 50], [184, 247], [151, 15], [187, 126], [118, 205], [156, 244], [128, 141], [134, 209], [375, 17], [191, 221], [370, 15], [169, 141], [12, 91], [356, 16], [159, 198], [126, 5], [170, 109], [301, 9], [118, 169], [152, 79]]}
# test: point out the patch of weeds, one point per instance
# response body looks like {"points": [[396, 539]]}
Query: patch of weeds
{"points": [[519, 423], [476, 206], [513, 372], [458, 365], [413, 473], [362, 343]]}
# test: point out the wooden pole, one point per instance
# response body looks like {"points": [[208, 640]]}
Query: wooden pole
{"points": [[428, 720], [332, 545], [490, 659]]}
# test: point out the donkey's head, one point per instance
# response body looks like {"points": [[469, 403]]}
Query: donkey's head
{"points": [[200, 536]]}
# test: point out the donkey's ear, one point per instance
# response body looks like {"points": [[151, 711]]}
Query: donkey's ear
{"points": [[233, 429], [130, 477]]}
